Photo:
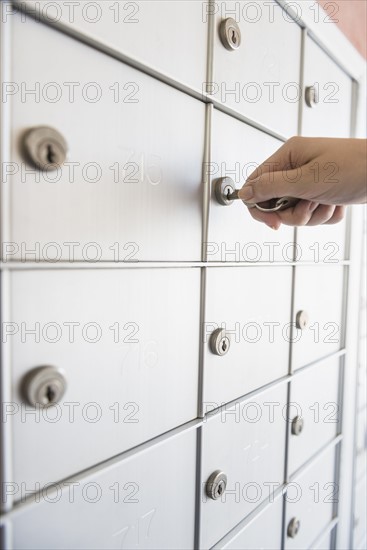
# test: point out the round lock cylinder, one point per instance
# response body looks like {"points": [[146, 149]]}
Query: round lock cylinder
{"points": [[293, 528], [297, 425], [230, 34], [45, 148], [44, 386], [302, 319], [216, 485], [223, 189], [311, 96], [219, 342]]}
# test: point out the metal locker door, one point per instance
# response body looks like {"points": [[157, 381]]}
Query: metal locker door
{"points": [[168, 37], [138, 501], [315, 411], [264, 530], [327, 95], [255, 316], [257, 72], [233, 236], [133, 173], [324, 543], [310, 501], [112, 334], [325, 245], [245, 441], [362, 387], [360, 512], [318, 308]]}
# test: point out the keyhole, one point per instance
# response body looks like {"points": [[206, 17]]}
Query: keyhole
{"points": [[50, 394], [220, 489], [224, 345], [50, 155], [228, 191], [234, 37]]}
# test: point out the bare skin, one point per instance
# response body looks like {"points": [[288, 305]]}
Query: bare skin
{"points": [[324, 173]]}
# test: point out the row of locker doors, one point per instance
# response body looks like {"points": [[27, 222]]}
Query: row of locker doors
{"points": [[148, 497], [127, 344], [143, 184], [137, 168], [261, 87]]}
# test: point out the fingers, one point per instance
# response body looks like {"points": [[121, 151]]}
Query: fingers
{"points": [[277, 176], [321, 215], [304, 213], [290, 171], [338, 215], [290, 155], [268, 184], [273, 185], [300, 214], [278, 161], [326, 214], [271, 219]]}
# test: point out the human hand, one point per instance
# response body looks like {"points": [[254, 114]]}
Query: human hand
{"points": [[324, 173]]}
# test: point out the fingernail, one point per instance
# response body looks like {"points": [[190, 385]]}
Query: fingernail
{"points": [[246, 193], [272, 227]]}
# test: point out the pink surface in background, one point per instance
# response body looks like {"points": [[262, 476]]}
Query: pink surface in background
{"points": [[351, 16]]}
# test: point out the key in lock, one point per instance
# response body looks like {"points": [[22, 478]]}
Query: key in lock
{"points": [[225, 193]]}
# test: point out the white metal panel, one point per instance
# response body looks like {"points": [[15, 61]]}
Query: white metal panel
{"points": [[363, 544], [245, 440], [360, 512], [138, 157], [253, 305], [318, 292], [361, 424], [362, 388], [237, 149], [360, 465], [325, 543], [128, 342], [138, 502], [331, 117], [168, 37], [326, 244], [347, 454], [315, 397], [362, 353], [264, 531], [363, 314], [310, 498], [255, 79]]}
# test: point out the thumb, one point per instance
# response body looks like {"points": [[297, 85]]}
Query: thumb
{"points": [[273, 185]]}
